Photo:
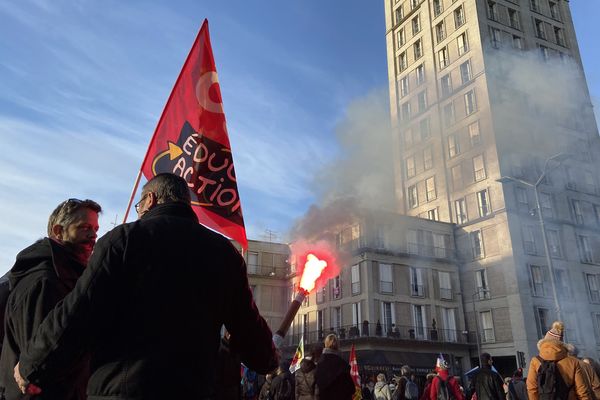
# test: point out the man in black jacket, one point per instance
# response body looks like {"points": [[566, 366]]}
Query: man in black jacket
{"points": [[151, 305], [487, 383], [42, 275]]}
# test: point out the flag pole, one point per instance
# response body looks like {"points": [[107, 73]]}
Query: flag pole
{"points": [[135, 186]]}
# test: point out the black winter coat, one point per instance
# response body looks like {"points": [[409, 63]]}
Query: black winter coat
{"points": [[43, 274], [153, 299], [488, 385], [333, 377]]}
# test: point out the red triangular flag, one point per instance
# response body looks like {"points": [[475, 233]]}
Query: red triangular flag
{"points": [[191, 141], [354, 368]]}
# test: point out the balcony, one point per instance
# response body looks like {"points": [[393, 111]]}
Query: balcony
{"points": [[270, 271], [399, 334]]}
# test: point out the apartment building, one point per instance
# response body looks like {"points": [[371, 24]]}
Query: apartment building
{"points": [[493, 126]]}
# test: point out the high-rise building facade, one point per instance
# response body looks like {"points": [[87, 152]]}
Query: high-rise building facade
{"points": [[494, 132]]}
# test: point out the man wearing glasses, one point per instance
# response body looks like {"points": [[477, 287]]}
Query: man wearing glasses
{"points": [[151, 305], [42, 275]]}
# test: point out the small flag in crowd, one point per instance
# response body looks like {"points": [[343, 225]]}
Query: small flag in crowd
{"points": [[354, 374], [298, 357]]}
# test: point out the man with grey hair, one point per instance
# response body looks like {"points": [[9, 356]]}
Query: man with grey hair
{"points": [[151, 305], [43, 274], [592, 381]]}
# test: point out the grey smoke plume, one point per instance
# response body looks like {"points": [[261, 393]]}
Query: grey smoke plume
{"points": [[362, 176]]}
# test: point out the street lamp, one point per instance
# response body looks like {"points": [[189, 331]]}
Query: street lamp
{"points": [[559, 158]]}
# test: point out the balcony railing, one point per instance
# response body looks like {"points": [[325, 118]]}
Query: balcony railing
{"points": [[380, 331], [264, 270]]}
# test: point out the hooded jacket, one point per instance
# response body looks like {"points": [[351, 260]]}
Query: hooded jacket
{"points": [[554, 350], [152, 302], [43, 274], [451, 383], [306, 389], [333, 377]]}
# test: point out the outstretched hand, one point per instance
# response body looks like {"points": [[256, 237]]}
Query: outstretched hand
{"points": [[24, 386]]}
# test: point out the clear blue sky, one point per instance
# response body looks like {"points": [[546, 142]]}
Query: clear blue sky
{"points": [[83, 83]]}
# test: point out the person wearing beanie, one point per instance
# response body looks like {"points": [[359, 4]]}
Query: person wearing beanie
{"points": [[517, 390], [552, 348], [487, 383], [591, 379], [443, 379]]}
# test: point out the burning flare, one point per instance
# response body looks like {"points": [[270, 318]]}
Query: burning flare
{"points": [[312, 271]]}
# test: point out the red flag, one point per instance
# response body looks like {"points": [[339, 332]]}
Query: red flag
{"points": [[191, 141], [354, 368]]}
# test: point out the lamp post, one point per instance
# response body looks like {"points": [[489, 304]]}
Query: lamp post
{"points": [[559, 158]]}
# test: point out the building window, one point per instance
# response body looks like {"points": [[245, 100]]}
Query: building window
{"points": [[416, 25], [537, 280], [430, 185], [446, 85], [534, 5], [405, 111], [355, 279], [459, 17], [477, 244], [593, 285], [561, 277], [492, 10], [474, 134], [483, 202], [420, 72], [585, 251], [418, 49], [336, 318], [559, 36], [449, 114], [320, 324], [460, 207], [496, 37], [399, 13], [449, 323], [336, 288], [544, 53], [414, 4], [356, 315], [470, 103], [457, 180], [445, 285], [400, 38], [439, 244], [404, 86], [402, 61], [463, 43], [443, 58], [408, 138], [546, 205], [487, 325], [321, 295], [478, 168], [253, 267], [419, 318], [597, 214], [517, 42], [410, 167], [529, 240], [433, 215], [424, 129], [577, 211], [305, 325], [465, 72], [453, 145], [540, 32], [553, 243], [481, 282], [554, 10], [541, 316], [427, 158], [440, 32], [416, 282], [386, 284], [422, 101], [413, 200], [513, 18], [437, 7], [412, 241]]}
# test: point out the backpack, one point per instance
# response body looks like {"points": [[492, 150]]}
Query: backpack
{"points": [[550, 383], [411, 390], [444, 393], [285, 390]]}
